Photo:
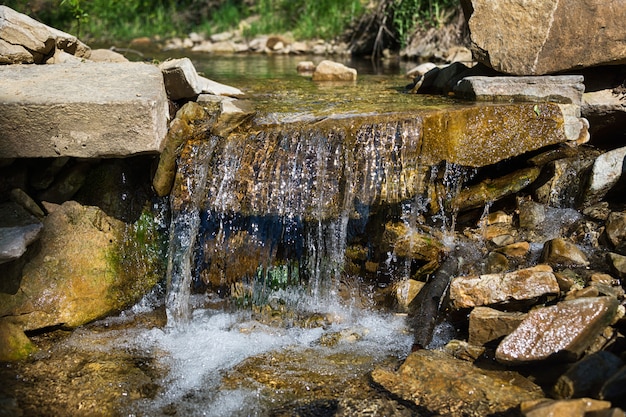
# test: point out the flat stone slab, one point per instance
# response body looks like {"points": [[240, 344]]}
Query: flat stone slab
{"points": [[87, 110], [556, 88]]}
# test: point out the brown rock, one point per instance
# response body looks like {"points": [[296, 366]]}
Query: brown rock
{"points": [[20, 29], [542, 37], [181, 129], [616, 229], [565, 408], [562, 331], [14, 54], [106, 55], [560, 252], [472, 291], [487, 324], [449, 386]]}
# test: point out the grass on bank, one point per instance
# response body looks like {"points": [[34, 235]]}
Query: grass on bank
{"points": [[120, 20]]}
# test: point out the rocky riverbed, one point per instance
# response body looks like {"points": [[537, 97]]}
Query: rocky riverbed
{"points": [[516, 252]]}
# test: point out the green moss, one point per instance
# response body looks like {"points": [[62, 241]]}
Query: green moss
{"points": [[138, 262], [14, 344]]}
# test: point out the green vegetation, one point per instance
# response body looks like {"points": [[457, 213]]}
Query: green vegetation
{"points": [[106, 20]]}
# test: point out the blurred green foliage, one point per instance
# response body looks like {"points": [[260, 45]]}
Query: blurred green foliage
{"points": [[106, 20]]}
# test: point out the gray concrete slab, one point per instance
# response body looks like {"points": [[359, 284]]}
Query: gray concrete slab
{"points": [[85, 110]]}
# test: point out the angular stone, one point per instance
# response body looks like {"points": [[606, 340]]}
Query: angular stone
{"points": [[70, 44], [20, 29], [15, 240], [586, 377], [562, 331], [14, 54], [181, 129], [448, 386], [560, 252], [604, 109], [492, 190], [218, 89], [617, 263], [84, 110], [487, 324], [542, 37], [524, 284], [563, 187], [14, 345], [606, 172], [181, 79], [333, 71], [558, 89], [616, 229]]}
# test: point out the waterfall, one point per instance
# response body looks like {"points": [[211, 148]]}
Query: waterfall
{"points": [[277, 206]]}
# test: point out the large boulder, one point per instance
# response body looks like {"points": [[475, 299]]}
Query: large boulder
{"points": [[542, 37], [86, 268]]}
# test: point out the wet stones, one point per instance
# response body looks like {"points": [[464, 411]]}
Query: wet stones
{"points": [[586, 377], [487, 325], [563, 253], [472, 291], [449, 386], [564, 330]]}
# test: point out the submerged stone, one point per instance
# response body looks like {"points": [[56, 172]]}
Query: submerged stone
{"points": [[562, 331], [489, 289], [448, 386]]}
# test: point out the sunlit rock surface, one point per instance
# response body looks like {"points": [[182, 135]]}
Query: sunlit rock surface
{"points": [[558, 89], [449, 386], [472, 291], [562, 331], [548, 36], [94, 110], [319, 166], [560, 252]]}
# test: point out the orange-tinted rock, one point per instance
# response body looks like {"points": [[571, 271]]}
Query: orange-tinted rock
{"points": [[562, 331], [472, 291]]}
